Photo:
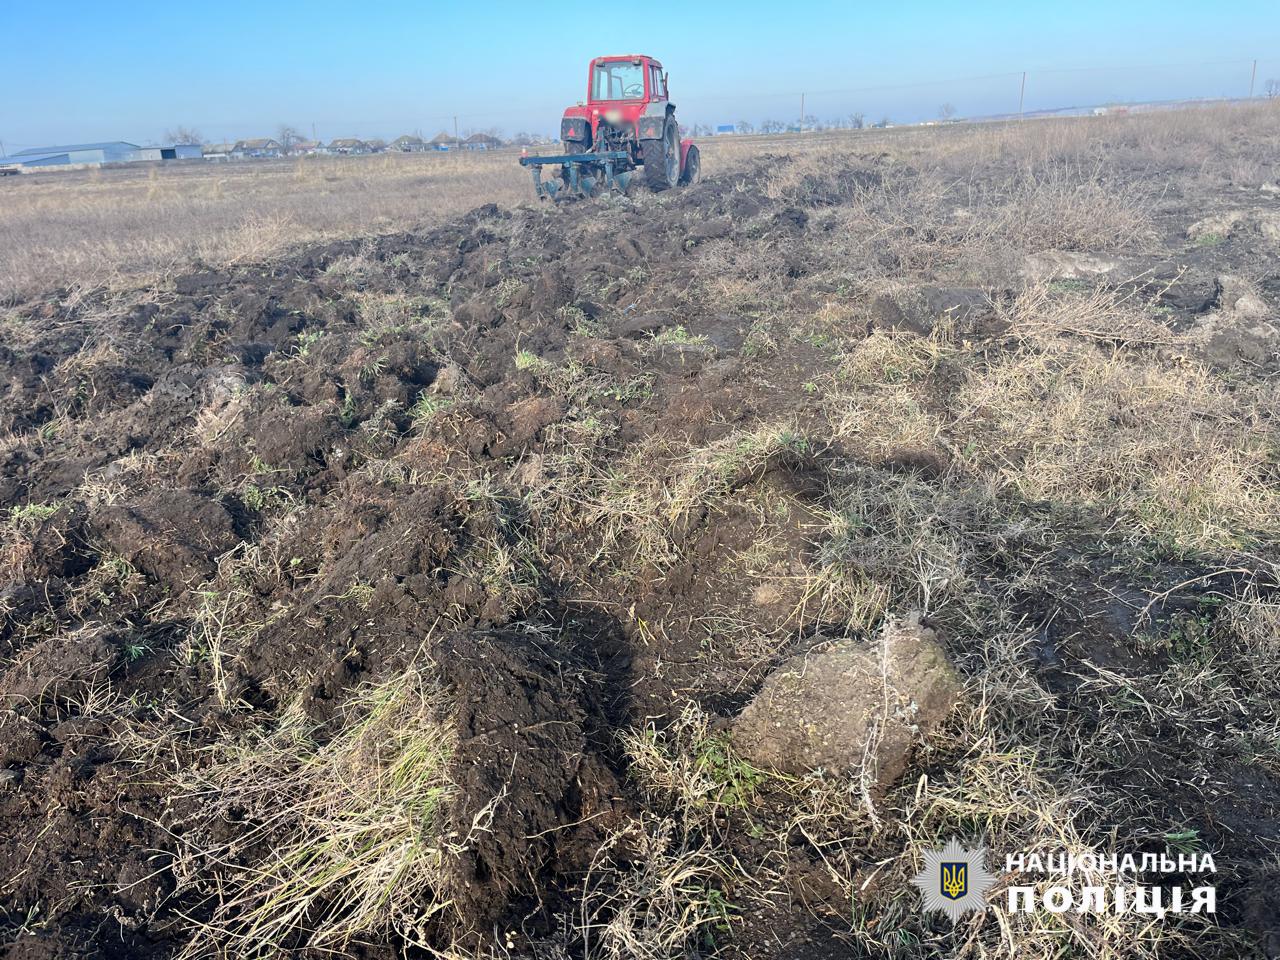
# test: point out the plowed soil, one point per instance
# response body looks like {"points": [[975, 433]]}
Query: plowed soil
{"points": [[588, 462]]}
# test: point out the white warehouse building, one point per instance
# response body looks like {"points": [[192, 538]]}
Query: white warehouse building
{"points": [[114, 151]]}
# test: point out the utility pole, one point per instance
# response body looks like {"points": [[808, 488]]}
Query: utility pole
{"points": [[1252, 77], [1022, 94], [801, 124], [455, 130], [313, 131]]}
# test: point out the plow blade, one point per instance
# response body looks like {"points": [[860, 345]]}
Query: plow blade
{"points": [[583, 174]]}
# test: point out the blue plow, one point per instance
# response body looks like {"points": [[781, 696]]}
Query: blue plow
{"points": [[583, 174]]}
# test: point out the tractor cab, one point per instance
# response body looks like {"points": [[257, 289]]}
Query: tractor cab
{"points": [[626, 78]]}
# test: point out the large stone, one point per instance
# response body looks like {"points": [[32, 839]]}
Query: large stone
{"points": [[851, 708]]}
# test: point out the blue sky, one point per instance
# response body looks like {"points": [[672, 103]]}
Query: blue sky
{"points": [[83, 70]]}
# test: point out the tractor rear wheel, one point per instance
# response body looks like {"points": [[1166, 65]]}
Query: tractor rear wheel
{"points": [[662, 160], [692, 167]]}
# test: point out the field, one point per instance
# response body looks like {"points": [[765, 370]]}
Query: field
{"points": [[390, 566]]}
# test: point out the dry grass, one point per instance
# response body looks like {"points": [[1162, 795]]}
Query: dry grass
{"points": [[1180, 454], [353, 825], [86, 228]]}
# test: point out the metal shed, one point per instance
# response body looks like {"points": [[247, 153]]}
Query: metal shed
{"points": [[114, 151]]}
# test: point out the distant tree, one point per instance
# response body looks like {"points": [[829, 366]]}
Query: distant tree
{"points": [[746, 126], [183, 135], [810, 122], [1273, 87], [882, 123], [288, 137], [772, 126], [946, 111], [856, 120]]}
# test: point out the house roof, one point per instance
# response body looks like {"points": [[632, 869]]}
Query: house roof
{"points": [[306, 144], [442, 137], [482, 138], [219, 147], [407, 138], [261, 144], [74, 148], [348, 142]]}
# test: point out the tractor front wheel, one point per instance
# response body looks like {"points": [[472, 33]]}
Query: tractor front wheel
{"points": [[662, 160], [692, 167]]}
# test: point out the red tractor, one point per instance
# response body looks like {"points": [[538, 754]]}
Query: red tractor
{"points": [[627, 122]]}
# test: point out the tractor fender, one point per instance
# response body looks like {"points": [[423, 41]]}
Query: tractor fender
{"points": [[684, 152], [651, 124]]}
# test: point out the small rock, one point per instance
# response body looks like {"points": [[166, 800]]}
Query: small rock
{"points": [[1218, 225], [851, 707], [642, 324], [21, 739], [552, 290], [526, 418], [58, 669], [1263, 223], [448, 380], [632, 248], [716, 229], [1065, 265], [919, 309], [1225, 338], [1239, 297], [476, 314]]}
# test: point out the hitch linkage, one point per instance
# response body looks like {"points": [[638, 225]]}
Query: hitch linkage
{"points": [[583, 172]]}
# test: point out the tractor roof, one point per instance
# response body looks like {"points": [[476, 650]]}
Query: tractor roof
{"points": [[624, 56]]}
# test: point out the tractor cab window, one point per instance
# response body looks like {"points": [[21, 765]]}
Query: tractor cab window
{"points": [[618, 80], [656, 86]]}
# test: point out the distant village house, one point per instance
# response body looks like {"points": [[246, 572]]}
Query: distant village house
{"points": [[481, 141], [348, 147], [257, 149]]}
